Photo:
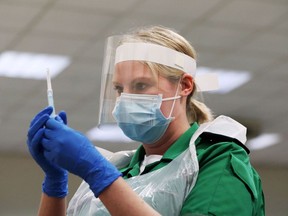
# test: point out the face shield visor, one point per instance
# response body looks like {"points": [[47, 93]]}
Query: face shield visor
{"points": [[140, 69]]}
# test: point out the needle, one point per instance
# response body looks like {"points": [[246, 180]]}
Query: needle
{"points": [[50, 93]]}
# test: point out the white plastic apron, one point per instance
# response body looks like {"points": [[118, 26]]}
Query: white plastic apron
{"points": [[166, 188]]}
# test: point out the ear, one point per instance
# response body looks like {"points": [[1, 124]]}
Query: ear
{"points": [[187, 84]]}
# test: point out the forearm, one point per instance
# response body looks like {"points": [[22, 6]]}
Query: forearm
{"points": [[120, 199], [52, 206]]}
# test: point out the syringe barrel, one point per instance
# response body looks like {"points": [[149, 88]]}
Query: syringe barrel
{"points": [[51, 101]]}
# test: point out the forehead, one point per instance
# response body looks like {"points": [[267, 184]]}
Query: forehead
{"points": [[130, 70]]}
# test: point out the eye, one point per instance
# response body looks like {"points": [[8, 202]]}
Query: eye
{"points": [[118, 89], [140, 86]]}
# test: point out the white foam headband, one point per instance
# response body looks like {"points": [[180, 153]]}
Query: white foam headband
{"points": [[155, 53], [140, 51]]}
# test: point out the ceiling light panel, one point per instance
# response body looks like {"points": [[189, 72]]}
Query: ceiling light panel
{"points": [[31, 65]]}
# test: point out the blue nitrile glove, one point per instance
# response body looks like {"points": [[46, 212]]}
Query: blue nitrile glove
{"points": [[72, 151], [55, 183]]}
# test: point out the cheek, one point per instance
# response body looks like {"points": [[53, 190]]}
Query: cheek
{"points": [[166, 107], [167, 91]]}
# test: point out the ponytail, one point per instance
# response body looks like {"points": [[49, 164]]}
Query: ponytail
{"points": [[197, 111]]}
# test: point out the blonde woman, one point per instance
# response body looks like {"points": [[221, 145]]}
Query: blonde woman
{"points": [[187, 164]]}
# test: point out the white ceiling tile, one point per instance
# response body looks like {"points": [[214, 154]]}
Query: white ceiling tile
{"points": [[279, 126], [85, 77], [184, 10], [269, 43], [26, 2], [135, 21], [252, 105], [250, 13], [50, 45], [278, 75], [242, 61], [205, 58], [94, 51], [84, 83], [281, 27], [84, 117], [281, 70], [269, 155], [72, 23], [280, 2], [16, 92], [215, 36], [6, 38], [16, 16], [111, 5]]}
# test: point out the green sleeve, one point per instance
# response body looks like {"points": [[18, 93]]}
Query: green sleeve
{"points": [[226, 184]]}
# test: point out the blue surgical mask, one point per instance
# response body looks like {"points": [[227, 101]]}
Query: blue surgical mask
{"points": [[140, 118]]}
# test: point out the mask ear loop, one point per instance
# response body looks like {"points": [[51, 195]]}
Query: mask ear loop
{"points": [[174, 99]]}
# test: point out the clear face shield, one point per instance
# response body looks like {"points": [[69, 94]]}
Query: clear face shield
{"points": [[138, 68], [140, 85]]}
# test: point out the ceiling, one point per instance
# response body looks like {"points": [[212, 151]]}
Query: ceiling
{"points": [[249, 35]]}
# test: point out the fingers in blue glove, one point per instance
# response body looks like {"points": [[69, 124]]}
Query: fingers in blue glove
{"points": [[48, 110], [38, 121], [53, 124], [62, 144], [63, 116], [73, 151], [55, 183], [36, 126], [34, 146]]}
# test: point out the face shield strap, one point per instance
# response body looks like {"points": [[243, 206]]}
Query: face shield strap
{"points": [[157, 54]]}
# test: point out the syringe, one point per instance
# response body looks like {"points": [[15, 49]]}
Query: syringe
{"points": [[50, 94]]}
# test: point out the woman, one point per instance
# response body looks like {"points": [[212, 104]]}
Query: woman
{"points": [[188, 163]]}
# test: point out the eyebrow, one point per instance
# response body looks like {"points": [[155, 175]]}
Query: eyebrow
{"points": [[143, 79], [139, 79]]}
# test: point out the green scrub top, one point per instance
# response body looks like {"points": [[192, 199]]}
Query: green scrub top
{"points": [[227, 184]]}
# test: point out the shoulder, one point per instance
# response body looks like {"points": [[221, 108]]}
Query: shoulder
{"points": [[224, 167], [210, 146]]}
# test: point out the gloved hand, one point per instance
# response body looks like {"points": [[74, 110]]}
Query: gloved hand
{"points": [[55, 183], [74, 152]]}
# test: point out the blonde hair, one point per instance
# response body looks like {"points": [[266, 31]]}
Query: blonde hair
{"points": [[195, 110]]}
